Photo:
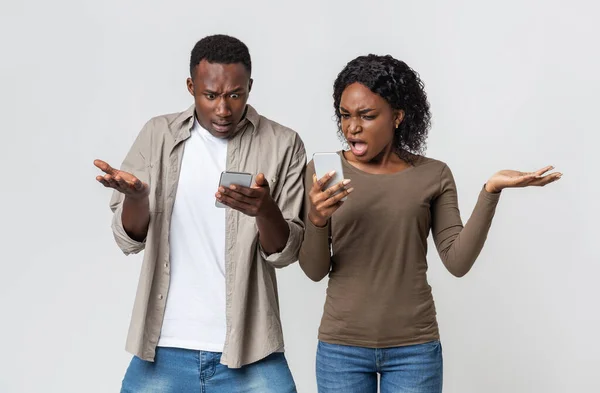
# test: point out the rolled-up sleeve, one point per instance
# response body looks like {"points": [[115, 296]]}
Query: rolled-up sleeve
{"points": [[125, 243], [289, 254], [134, 163], [290, 202]]}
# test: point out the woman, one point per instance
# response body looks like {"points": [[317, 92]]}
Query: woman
{"points": [[379, 315]]}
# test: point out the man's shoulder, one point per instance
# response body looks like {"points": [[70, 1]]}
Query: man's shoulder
{"points": [[169, 122], [271, 128]]}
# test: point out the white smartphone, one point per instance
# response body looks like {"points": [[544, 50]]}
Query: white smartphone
{"points": [[237, 178], [327, 162]]}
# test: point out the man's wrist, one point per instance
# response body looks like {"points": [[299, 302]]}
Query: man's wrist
{"points": [[142, 200], [269, 211], [273, 229]]}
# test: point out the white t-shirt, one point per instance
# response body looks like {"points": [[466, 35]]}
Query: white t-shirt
{"points": [[195, 310]]}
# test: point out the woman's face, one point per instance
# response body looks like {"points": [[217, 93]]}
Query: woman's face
{"points": [[368, 122]]}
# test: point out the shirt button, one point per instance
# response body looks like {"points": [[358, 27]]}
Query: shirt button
{"points": [[160, 297], [166, 265]]}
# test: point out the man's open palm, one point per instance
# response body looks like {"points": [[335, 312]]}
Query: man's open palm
{"points": [[121, 181]]}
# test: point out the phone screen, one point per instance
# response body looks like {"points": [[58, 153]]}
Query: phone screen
{"points": [[327, 162], [237, 178]]}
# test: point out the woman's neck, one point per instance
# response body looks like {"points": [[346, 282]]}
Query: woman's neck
{"points": [[384, 163]]}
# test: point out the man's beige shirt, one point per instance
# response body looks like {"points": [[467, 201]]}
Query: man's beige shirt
{"points": [[252, 306]]}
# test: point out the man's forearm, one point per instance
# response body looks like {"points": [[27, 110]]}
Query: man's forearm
{"points": [[136, 217], [273, 231]]}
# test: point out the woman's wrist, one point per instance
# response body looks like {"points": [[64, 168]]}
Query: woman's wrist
{"points": [[489, 187], [316, 221]]}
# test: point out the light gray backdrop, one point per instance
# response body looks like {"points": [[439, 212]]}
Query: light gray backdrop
{"points": [[512, 84]]}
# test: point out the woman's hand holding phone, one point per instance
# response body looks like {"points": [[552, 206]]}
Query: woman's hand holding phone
{"points": [[324, 201]]}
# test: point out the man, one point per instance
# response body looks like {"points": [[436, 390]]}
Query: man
{"points": [[206, 314]]}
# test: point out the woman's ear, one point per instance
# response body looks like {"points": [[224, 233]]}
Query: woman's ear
{"points": [[398, 118]]}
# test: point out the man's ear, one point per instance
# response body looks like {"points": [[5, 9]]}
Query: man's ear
{"points": [[190, 86]]}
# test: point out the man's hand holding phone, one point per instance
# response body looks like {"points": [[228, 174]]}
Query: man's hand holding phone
{"points": [[253, 201]]}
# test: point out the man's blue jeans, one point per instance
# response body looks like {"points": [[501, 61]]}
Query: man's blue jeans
{"points": [[176, 370]]}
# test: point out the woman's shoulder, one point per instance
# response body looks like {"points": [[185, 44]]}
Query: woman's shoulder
{"points": [[428, 162]]}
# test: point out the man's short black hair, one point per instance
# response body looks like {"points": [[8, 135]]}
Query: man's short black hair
{"points": [[222, 49]]}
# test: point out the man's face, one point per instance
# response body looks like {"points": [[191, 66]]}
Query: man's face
{"points": [[220, 92]]}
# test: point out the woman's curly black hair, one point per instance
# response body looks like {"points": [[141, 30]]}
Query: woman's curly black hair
{"points": [[401, 87]]}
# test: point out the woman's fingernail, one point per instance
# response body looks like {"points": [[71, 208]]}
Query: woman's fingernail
{"points": [[331, 173], [346, 181], [350, 190]]}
